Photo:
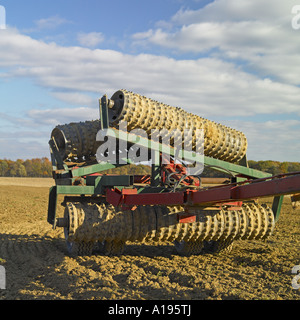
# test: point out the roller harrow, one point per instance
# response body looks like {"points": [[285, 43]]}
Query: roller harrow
{"points": [[87, 224], [170, 205]]}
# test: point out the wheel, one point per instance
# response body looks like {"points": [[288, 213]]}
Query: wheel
{"points": [[217, 246], [81, 248], [188, 248], [85, 248], [112, 248]]}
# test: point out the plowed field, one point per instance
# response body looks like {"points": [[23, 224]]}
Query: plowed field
{"points": [[38, 266]]}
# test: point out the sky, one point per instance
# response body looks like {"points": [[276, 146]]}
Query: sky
{"points": [[235, 62]]}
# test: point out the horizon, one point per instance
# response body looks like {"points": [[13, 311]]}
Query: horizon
{"points": [[49, 159]]}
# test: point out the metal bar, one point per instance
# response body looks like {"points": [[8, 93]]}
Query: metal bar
{"points": [[84, 171], [274, 187], [224, 166], [148, 189], [155, 170], [170, 198], [211, 195], [118, 198], [103, 108], [276, 207], [159, 147], [95, 168], [57, 161], [145, 179], [101, 182], [217, 164], [52, 203], [251, 190], [75, 190], [215, 180], [154, 145]]}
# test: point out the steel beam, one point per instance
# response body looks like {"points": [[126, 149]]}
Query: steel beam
{"points": [[277, 186], [216, 164]]}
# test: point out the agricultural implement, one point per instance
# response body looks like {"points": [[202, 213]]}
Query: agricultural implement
{"points": [[174, 203]]}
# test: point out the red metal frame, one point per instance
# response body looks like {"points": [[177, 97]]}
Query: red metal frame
{"points": [[189, 215], [251, 189], [178, 171], [145, 179], [186, 218], [118, 197]]}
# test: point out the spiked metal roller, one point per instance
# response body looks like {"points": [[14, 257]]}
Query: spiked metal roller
{"points": [[221, 142]]}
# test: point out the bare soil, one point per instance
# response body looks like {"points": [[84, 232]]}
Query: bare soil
{"points": [[38, 266]]}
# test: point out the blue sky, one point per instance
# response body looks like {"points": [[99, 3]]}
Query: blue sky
{"points": [[232, 61]]}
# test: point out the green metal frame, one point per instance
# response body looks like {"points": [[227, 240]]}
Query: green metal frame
{"points": [[216, 164], [103, 109], [276, 206], [65, 176], [157, 148]]}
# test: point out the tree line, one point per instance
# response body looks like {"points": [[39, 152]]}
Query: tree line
{"points": [[269, 166], [28, 168], [275, 167], [42, 167]]}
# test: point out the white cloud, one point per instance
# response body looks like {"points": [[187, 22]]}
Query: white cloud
{"points": [[235, 10], [246, 38], [258, 33], [91, 39], [51, 22], [272, 139], [16, 149], [57, 116], [75, 98], [36, 119], [223, 33], [207, 86]]}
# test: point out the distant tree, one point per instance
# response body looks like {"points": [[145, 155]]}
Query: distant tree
{"points": [[283, 167], [274, 167], [17, 170], [3, 168], [46, 167], [28, 168], [293, 166], [37, 168]]}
